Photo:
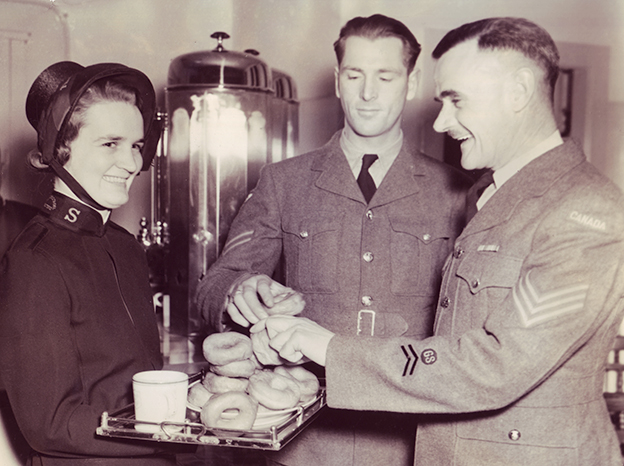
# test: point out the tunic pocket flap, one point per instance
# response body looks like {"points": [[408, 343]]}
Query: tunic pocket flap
{"points": [[545, 427], [309, 227], [425, 233], [483, 270]]}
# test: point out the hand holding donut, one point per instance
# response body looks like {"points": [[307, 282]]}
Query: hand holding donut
{"points": [[256, 297], [287, 302], [296, 337], [263, 351]]}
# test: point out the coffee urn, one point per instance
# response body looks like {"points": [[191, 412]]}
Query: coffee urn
{"points": [[224, 121], [284, 117]]}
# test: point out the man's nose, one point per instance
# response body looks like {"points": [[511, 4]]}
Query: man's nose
{"points": [[369, 89], [444, 120]]}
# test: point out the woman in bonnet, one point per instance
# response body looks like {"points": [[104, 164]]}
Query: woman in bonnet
{"points": [[76, 315]]}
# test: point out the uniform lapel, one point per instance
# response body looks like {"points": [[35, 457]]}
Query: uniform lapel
{"points": [[531, 181], [400, 181], [335, 174]]}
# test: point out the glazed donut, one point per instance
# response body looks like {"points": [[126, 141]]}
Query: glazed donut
{"points": [[218, 384], [244, 368], [239, 404], [198, 395], [288, 303], [308, 382], [223, 348], [273, 390], [265, 354]]}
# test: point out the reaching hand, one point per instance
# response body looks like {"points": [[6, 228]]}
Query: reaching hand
{"points": [[258, 296], [296, 337]]}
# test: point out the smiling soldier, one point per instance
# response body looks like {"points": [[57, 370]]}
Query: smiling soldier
{"points": [[531, 298]]}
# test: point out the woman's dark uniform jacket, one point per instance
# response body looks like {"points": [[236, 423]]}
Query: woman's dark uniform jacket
{"points": [[372, 268], [530, 304], [13, 218], [76, 322]]}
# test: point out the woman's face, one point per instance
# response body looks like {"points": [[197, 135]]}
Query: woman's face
{"points": [[106, 155]]}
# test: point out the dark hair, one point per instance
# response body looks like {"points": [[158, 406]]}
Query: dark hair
{"points": [[517, 34], [105, 90], [377, 26]]}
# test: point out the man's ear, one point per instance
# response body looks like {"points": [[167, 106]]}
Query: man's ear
{"points": [[336, 79], [523, 86], [413, 81]]}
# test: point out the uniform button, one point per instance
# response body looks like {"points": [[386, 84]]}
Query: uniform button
{"points": [[303, 234], [476, 283], [367, 300], [514, 435], [426, 237], [458, 252], [445, 302], [369, 214], [368, 256]]}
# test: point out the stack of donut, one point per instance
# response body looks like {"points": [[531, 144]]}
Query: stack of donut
{"points": [[240, 385]]}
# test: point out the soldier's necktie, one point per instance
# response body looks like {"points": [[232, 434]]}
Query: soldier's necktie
{"points": [[364, 179], [474, 193]]}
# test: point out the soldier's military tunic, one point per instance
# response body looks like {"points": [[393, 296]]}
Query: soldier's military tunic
{"points": [[530, 304], [373, 269]]}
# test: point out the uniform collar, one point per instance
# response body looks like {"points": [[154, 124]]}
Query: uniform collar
{"points": [[74, 215], [354, 153], [336, 176], [532, 181], [505, 173], [502, 175], [62, 188]]}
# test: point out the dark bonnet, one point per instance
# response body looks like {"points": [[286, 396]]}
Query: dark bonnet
{"points": [[54, 94]]}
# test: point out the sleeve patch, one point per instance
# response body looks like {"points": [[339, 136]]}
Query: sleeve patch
{"points": [[429, 356], [238, 240], [535, 307], [410, 364], [588, 221]]}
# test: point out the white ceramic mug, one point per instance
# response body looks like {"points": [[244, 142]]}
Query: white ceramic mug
{"points": [[159, 396]]}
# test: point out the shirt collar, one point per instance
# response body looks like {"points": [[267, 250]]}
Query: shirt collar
{"points": [[516, 164], [354, 152], [74, 215]]}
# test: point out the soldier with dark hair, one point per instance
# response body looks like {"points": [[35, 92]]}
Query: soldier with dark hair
{"points": [[531, 298]]}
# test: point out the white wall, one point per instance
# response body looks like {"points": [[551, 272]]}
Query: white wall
{"points": [[296, 36]]}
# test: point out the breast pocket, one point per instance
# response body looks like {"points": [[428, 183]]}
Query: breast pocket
{"points": [[482, 270], [489, 278], [417, 254], [311, 253]]}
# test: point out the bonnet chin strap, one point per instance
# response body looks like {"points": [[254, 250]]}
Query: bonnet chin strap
{"points": [[72, 184]]}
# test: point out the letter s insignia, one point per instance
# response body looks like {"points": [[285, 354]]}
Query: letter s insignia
{"points": [[72, 215]]}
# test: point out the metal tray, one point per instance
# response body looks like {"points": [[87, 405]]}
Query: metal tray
{"points": [[120, 424]]}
